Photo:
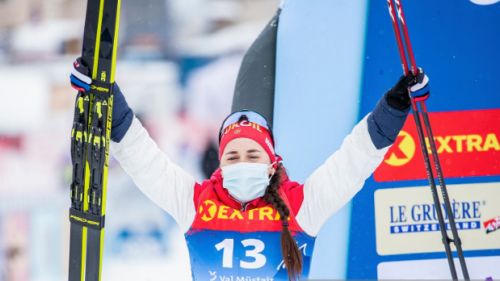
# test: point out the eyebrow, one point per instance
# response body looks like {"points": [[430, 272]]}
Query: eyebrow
{"points": [[234, 152]]}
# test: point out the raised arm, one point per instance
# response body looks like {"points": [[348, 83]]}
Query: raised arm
{"points": [[161, 180], [343, 174], [152, 171]]}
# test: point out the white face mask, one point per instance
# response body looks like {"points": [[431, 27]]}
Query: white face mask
{"points": [[246, 181]]}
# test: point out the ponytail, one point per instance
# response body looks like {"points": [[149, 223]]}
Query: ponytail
{"points": [[289, 249]]}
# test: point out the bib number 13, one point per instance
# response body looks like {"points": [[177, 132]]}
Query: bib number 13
{"points": [[254, 253]]}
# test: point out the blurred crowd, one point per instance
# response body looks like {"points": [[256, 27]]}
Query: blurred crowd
{"points": [[177, 66]]}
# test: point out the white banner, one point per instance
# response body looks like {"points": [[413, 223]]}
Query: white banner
{"points": [[406, 219]]}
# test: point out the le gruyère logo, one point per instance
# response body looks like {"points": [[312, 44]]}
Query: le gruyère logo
{"points": [[402, 151], [209, 211]]}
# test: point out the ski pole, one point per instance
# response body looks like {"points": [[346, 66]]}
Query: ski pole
{"points": [[418, 114], [421, 137], [456, 239]]}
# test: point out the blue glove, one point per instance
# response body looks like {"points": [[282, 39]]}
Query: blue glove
{"points": [[122, 113]]}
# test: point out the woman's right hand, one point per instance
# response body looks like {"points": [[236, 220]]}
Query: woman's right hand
{"points": [[122, 114]]}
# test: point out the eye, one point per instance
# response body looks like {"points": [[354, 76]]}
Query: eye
{"points": [[253, 157], [232, 158]]}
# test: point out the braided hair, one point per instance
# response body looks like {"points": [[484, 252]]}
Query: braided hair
{"points": [[289, 250]]}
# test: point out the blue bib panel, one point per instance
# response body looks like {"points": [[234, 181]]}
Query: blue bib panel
{"points": [[227, 244], [237, 256]]}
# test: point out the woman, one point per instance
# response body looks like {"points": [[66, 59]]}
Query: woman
{"points": [[249, 221]]}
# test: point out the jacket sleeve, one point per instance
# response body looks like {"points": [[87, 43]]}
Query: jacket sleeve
{"points": [[162, 181], [343, 174]]}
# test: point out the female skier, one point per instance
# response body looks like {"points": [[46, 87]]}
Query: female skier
{"points": [[249, 221]]}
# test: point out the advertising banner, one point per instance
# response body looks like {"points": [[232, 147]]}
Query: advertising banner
{"points": [[394, 232], [467, 143], [406, 218]]}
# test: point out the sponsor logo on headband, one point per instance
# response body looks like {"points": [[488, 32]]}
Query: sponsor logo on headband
{"points": [[244, 123]]}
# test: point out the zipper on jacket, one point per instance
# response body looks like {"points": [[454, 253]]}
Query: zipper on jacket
{"points": [[244, 207]]}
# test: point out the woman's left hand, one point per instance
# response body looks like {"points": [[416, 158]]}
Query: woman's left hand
{"points": [[408, 86]]}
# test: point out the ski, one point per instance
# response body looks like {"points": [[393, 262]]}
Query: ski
{"points": [[90, 140], [258, 69], [424, 131]]}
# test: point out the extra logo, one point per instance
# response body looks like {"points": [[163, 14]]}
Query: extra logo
{"points": [[210, 211], [467, 143], [402, 151]]}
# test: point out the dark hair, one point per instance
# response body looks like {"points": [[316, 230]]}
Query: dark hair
{"points": [[289, 250]]}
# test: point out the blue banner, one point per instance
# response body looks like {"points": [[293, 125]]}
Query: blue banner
{"points": [[394, 232]]}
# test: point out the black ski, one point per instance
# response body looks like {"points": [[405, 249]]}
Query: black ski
{"points": [[90, 141], [255, 85]]}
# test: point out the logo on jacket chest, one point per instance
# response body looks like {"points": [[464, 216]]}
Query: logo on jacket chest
{"points": [[209, 211]]}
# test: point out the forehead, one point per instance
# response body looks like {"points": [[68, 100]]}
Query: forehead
{"points": [[243, 145]]}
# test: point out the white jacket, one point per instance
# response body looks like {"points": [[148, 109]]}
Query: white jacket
{"points": [[326, 190]]}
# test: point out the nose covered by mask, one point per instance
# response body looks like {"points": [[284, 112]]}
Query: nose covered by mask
{"points": [[246, 181]]}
